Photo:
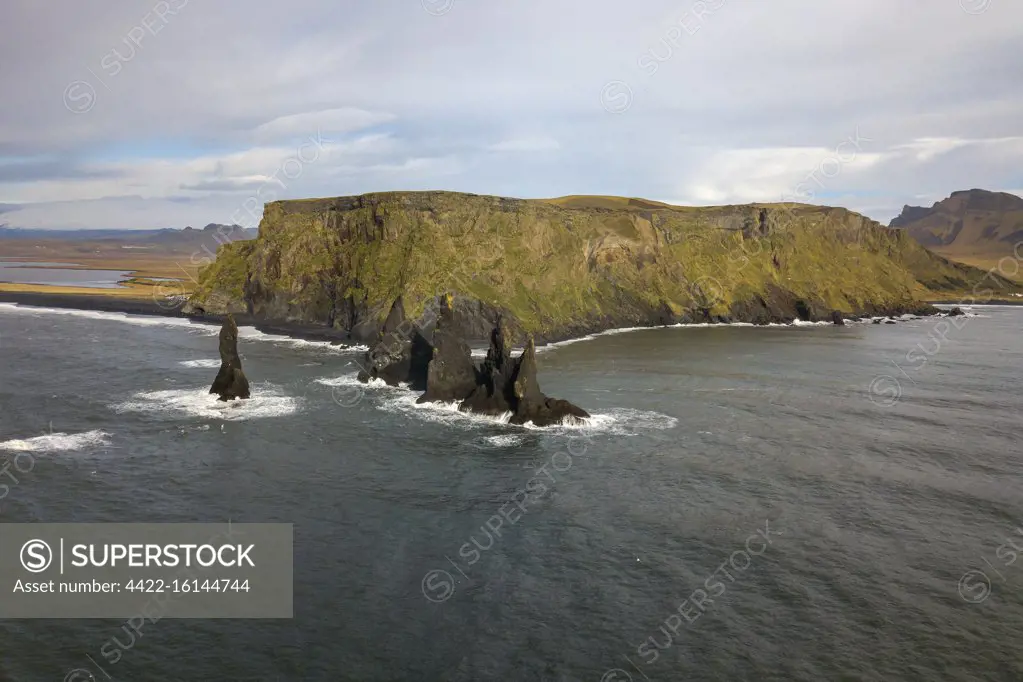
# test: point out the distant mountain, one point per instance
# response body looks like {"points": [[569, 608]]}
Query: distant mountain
{"points": [[973, 226], [223, 233], [188, 237]]}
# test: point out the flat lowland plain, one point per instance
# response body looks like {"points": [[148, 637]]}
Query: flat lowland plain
{"points": [[142, 262]]}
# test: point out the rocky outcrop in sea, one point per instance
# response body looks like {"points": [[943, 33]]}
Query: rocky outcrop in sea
{"points": [[231, 382], [499, 386]]}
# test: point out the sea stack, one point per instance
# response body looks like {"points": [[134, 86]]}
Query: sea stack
{"points": [[401, 355], [451, 374], [230, 382], [445, 371], [530, 404], [493, 394], [504, 385]]}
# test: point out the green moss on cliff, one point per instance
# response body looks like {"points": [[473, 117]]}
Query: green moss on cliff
{"points": [[558, 264], [226, 275]]}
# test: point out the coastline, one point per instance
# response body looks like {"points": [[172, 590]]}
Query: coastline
{"points": [[149, 307], [992, 301], [101, 302]]}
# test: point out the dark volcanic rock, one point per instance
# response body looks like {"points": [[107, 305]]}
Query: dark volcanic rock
{"points": [[445, 371], [777, 306], [531, 405], [451, 374], [395, 318], [666, 317], [698, 316], [899, 309], [956, 312], [230, 382], [493, 394], [836, 317], [401, 355], [511, 386], [504, 385], [526, 388]]}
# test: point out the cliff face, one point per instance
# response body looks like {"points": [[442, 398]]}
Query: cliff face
{"points": [[968, 223], [566, 266]]}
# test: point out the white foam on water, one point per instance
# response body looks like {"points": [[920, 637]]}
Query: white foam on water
{"points": [[326, 345], [266, 401], [351, 380], [139, 320], [244, 332], [589, 337], [482, 352], [204, 364], [984, 305], [57, 442], [680, 325], [402, 400], [505, 441], [946, 308], [625, 421], [253, 334], [708, 325]]}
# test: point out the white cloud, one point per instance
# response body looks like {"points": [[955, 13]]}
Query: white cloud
{"points": [[772, 174], [526, 144], [928, 148], [489, 100], [166, 178], [314, 123]]}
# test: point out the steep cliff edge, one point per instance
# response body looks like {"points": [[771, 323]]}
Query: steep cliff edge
{"points": [[974, 226], [562, 267]]}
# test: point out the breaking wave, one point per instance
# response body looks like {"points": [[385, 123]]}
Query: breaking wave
{"points": [[57, 442], [204, 364], [266, 401], [402, 400]]}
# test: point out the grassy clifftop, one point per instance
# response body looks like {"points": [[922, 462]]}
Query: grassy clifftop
{"points": [[562, 266]]}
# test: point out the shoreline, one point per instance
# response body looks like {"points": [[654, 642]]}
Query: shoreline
{"points": [[149, 307], [993, 301]]}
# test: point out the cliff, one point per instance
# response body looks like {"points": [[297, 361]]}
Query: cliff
{"points": [[973, 226], [563, 267]]}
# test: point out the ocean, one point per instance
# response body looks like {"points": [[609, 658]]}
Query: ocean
{"points": [[773, 503]]}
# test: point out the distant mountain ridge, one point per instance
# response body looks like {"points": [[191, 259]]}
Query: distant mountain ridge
{"points": [[975, 224], [161, 236], [223, 233]]}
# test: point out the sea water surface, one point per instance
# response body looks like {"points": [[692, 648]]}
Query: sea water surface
{"points": [[788, 503]]}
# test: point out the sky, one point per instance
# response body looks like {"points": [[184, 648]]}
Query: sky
{"points": [[151, 114]]}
